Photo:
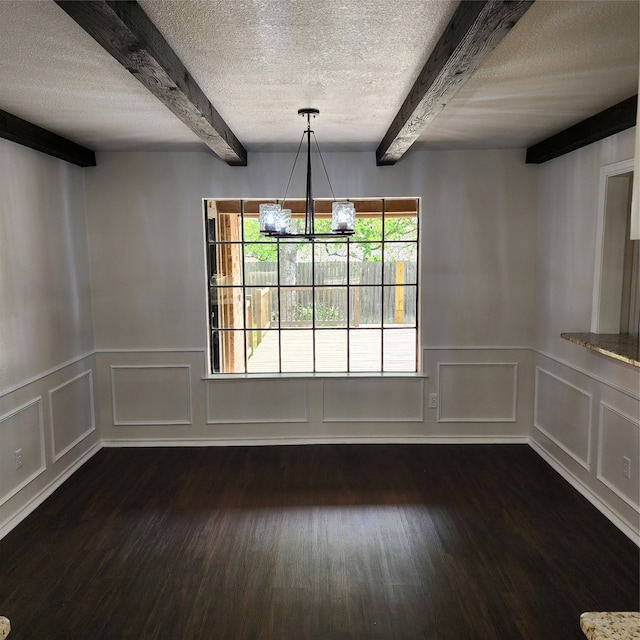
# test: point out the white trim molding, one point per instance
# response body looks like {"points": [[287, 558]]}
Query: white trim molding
{"points": [[480, 420], [283, 440], [37, 402], [257, 381], [44, 374], [136, 423], [327, 418], [57, 455], [586, 464], [599, 473]]}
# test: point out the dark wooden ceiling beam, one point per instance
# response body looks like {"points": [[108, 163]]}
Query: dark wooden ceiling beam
{"points": [[35, 137], [604, 124], [473, 32], [127, 33]]}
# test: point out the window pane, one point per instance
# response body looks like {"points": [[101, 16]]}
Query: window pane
{"points": [[297, 351], [330, 263], [321, 224], [265, 357], [252, 233], [399, 350], [226, 307], [211, 229], [296, 307], [400, 305], [330, 307], [331, 350], [365, 307], [365, 350], [400, 262], [396, 228], [369, 272], [368, 228], [227, 351], [369, 255], [261, 264], [225, 263], [295, 264], [262, 312]]}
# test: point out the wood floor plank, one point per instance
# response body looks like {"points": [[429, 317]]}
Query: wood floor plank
{"points": [[330, 542]]}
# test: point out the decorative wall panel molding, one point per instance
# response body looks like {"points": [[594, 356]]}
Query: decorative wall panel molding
{"points": [[21, 430], [151, 394], [44, 374], [589, 374], [477, 392], [619, 437], [256, 401], [72, 412], [373, 400], [562, 413]]}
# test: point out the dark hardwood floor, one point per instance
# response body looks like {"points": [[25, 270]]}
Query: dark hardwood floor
{"points": [[374, 542]]}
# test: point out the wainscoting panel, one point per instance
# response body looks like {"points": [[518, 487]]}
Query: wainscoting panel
{"points": [[619, 438], [72, 412], [562, 412], [151, 395], [21, 430], [373, 400], [477, 391], [256, 401]]}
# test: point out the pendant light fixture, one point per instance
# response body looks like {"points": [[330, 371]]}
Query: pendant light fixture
{"points": [[275, 219]]}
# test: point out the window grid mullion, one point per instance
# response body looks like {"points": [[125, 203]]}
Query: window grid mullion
{"points": [[417, 312], [313, 303], [244, 291], [278, 289], [382, 292], [348, 304]]}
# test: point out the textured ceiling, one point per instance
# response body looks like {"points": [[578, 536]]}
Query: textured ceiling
{"points": [[258, 61], [561, 63]]}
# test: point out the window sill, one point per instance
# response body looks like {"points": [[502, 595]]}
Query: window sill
{"points": [[618, 346], [310, 376]]}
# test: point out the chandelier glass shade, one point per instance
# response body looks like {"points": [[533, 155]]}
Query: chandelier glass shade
{"points": [[275, 219]]}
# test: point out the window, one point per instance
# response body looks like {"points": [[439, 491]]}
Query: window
{"points": [[321, 306]]}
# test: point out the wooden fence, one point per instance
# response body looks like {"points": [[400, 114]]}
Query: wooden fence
{"points": [[368, 300]]}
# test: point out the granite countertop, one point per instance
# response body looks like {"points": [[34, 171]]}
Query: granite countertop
{"points": [[615, 345], [5, 627], [615, 625]]}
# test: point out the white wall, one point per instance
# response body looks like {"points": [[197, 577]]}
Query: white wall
{"points": [[46, 327], [147, 264], [586, 405]]}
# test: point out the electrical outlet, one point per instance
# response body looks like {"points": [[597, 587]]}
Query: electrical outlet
{"points": [[433, 401], [626, 467], [18, 455]]}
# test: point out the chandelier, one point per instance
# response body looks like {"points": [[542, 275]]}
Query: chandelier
{"points": [[275, 219]]}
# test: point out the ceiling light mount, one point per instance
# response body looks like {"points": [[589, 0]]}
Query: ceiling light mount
{"points": [[275, 219]]}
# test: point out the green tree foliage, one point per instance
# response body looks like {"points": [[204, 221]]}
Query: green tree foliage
{"points": [[365, 245]]}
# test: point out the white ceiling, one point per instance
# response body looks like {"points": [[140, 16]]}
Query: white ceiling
{"points": [[258, 61]]}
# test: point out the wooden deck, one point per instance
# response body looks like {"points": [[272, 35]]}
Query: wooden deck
{"points": [[365, 350]]}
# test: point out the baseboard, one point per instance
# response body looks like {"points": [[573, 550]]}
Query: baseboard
{"points": [[40, 497], [579, 486], [256, 442]]}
